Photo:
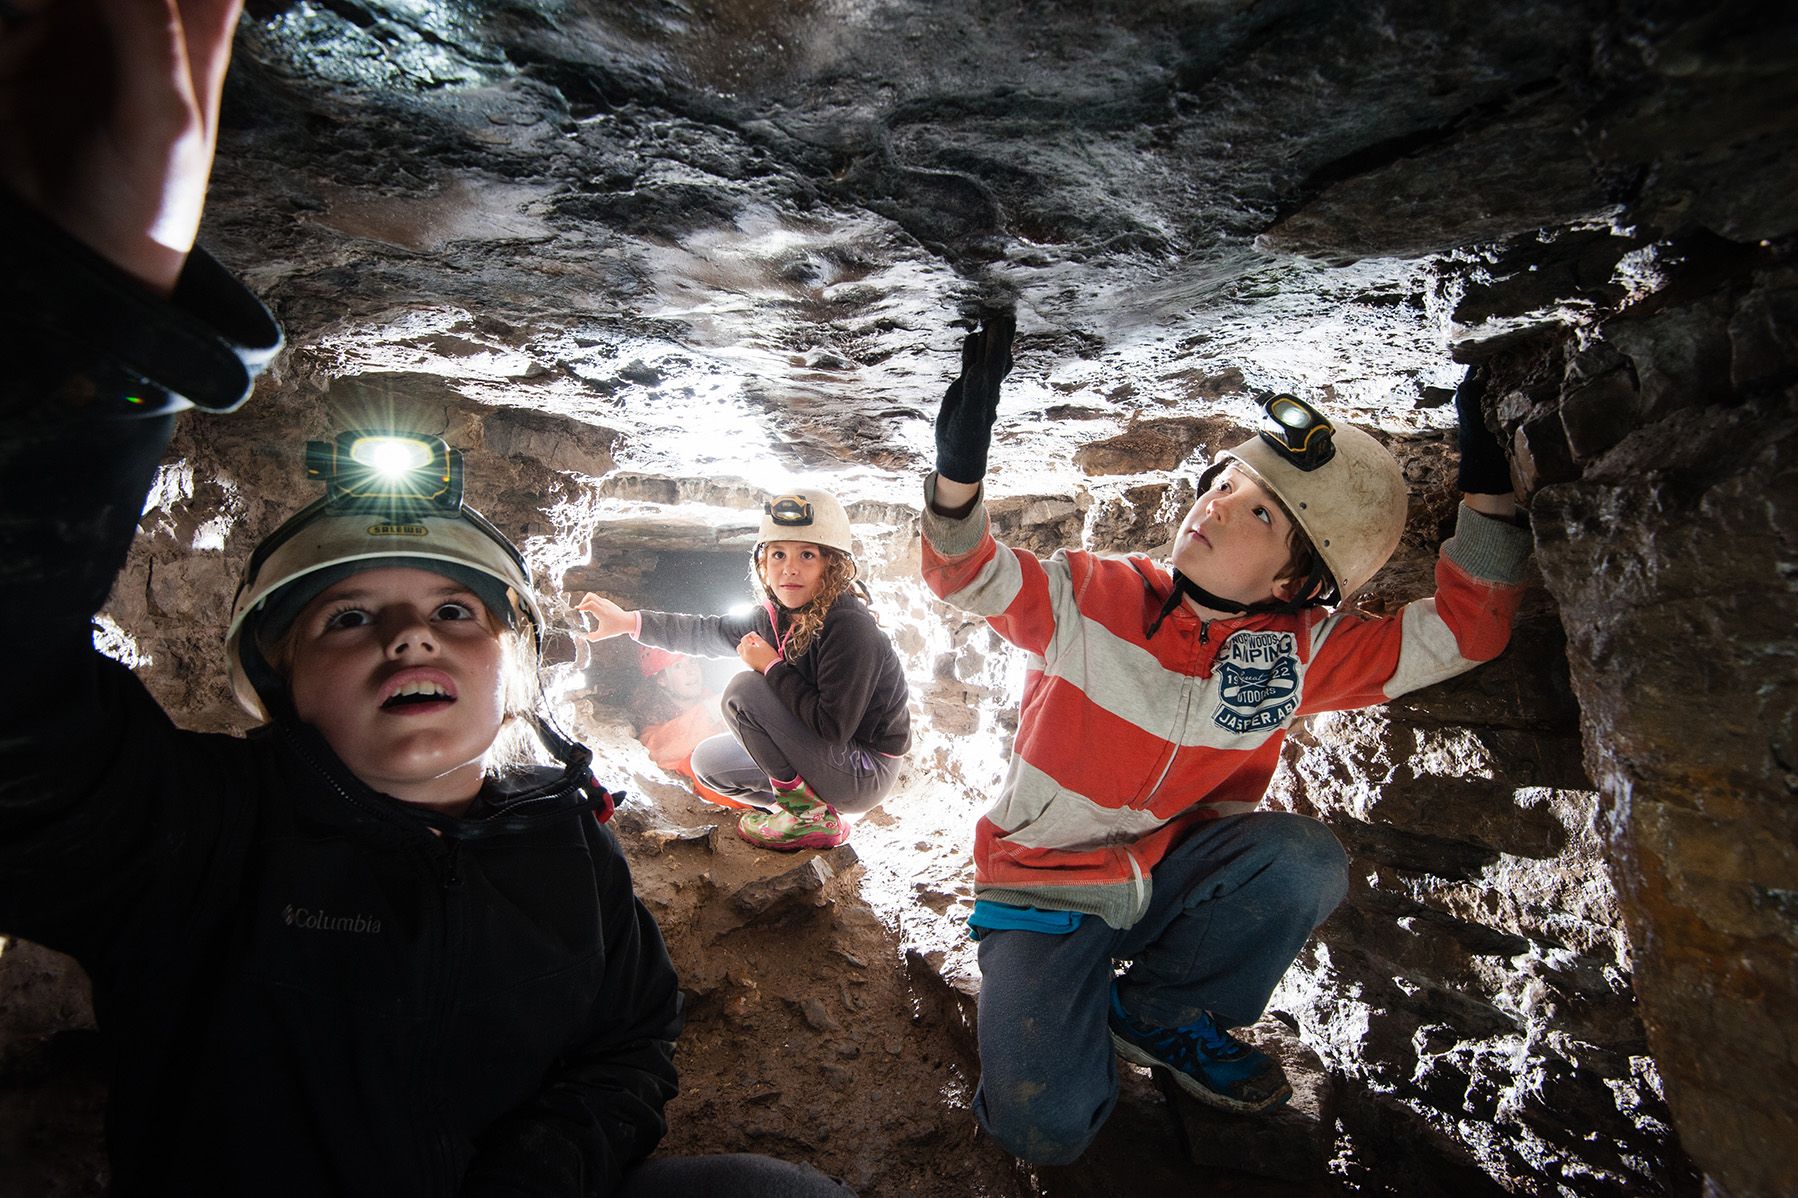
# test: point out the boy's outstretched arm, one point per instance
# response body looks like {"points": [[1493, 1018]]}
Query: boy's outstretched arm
{"points": [[964, 424], [1484, 476], [107, 113]]}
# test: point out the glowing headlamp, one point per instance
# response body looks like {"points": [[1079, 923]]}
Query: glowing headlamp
{"points": [[788, 511], [1298, 432], [401, 473]]}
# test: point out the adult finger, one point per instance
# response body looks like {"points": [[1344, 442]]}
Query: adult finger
{"points": [[208, 27]]}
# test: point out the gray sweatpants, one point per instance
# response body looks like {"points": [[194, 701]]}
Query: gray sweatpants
{"points": [[766, 740]]}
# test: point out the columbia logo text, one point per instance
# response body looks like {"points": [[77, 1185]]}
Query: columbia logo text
{"points": [[324, 921]]}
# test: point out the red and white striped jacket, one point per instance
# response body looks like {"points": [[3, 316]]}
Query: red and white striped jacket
{"points": [[1125, 740]]}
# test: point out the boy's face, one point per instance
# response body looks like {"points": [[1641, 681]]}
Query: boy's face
{"points": [[795, 571], [1234, 541], [402, 671]]}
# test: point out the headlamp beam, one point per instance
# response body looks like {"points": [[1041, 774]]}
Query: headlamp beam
{"points": [[399, 474]]}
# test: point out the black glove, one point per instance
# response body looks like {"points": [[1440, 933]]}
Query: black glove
{"points": [[964, 426], [1484, 469]]}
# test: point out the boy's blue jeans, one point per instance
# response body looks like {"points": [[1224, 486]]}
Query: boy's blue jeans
{"points": [[1230, 909]]}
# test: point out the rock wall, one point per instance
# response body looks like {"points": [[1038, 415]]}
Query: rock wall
{"points": [[1667, 449]]}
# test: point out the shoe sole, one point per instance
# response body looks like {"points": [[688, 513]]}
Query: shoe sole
{"points": [[1185, 1081]]}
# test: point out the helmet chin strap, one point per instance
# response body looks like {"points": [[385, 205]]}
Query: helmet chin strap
{"points": [[1316, 587]]}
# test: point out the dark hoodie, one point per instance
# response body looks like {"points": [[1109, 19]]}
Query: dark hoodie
{"points": [[305, 988]]}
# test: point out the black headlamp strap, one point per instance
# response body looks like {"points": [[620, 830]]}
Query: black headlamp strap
{"points": [[1186, 588]]}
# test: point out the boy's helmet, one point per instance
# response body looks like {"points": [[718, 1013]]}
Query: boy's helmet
{"points": [[343, 535], [809, 515], [1343, 488]]}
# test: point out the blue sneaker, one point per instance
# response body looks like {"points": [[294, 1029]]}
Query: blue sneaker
{"points": [[1209, 1063]]}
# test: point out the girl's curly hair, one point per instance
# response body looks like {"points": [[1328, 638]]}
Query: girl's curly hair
{"points": [[806, 622]]}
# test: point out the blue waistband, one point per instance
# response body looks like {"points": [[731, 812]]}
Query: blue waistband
{"points": [[989, 916]]}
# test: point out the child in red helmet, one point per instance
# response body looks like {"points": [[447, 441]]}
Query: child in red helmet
{"points": [[819, 724], [672, 710]]}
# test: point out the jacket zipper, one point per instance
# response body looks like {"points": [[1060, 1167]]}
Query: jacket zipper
{"points": [[451, 882], [1173, 750], [445, 988]]}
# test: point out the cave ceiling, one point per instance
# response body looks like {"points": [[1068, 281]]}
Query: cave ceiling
{"points": [[736, 236]]}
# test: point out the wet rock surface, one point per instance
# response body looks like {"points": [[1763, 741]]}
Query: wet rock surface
{"points": [[644, 261]]}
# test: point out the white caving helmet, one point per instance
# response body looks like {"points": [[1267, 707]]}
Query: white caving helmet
{"points": [[395, 499], [364, 525], [1344, 488], [806, 515]]}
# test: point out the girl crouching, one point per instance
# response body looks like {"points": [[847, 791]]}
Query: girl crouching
{"points": [[818, 724]]}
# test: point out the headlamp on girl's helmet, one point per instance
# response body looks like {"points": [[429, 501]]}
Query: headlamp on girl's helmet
{"points": [[365, 469], [392, 499]]}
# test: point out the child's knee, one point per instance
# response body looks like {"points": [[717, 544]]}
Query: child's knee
{"points": [[1034, 1124], [1314, 860], [741, 693]]}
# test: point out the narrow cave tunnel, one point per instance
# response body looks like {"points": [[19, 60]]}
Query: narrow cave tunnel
{"points": [[644, 262]]}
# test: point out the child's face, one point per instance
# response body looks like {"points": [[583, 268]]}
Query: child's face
{"points": [[1234, 541], [794, 570], [683, 680], [402, 671]]}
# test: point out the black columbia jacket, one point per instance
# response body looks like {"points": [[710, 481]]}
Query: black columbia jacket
{"points": [[306, 989]]}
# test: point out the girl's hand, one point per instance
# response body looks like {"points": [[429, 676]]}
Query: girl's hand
{"points": [[756, 653], [609, 619], [108, 118]]}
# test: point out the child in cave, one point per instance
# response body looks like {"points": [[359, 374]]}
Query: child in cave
{"points": [[672, 711], [1130, 898], [368, 949], [818, 725]]}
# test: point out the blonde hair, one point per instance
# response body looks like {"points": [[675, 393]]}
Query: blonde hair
{"points": [[806, 622]]}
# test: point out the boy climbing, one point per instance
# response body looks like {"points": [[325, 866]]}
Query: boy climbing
{"points": [[1152, 852]]}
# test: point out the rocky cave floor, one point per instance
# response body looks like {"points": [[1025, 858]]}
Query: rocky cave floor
{"points": [[831, 1015]]}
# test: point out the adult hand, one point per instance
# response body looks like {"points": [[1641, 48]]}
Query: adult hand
{"points": [[756, 653], [1484, 469], [108, 119], [609, 619], [964, 424]]}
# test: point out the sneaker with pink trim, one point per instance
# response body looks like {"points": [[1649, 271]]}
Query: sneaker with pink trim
{"points": [[800, 820]]}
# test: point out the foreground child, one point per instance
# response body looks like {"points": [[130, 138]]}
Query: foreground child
{"points": [[819, 725], [361, 951], [1152, 719]]}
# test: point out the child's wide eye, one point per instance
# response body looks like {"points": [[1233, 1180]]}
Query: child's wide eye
{"points": [[455, 611], [1263, 515], [347, 617]]}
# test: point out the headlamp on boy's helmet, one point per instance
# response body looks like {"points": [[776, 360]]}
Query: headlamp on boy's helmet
{"points": [[1298, 432]]}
